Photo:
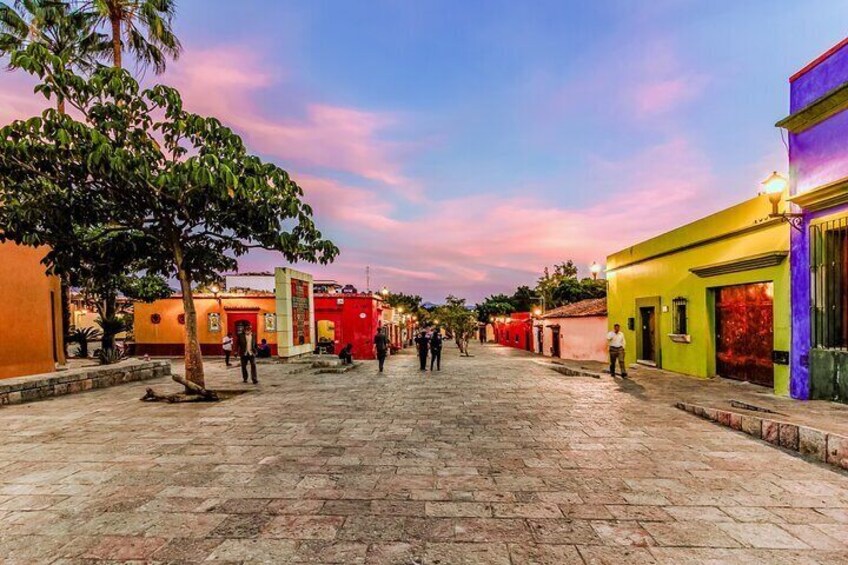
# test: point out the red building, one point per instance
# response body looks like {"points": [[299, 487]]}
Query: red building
{"points": [[348, 318], [515, 331]]}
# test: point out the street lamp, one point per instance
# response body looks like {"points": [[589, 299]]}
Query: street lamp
{"points": [[385, 291], [595, 269], [537, 311], [774, 187]]}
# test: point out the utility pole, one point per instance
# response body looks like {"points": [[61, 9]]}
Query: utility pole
{"points": [[368, 279]]}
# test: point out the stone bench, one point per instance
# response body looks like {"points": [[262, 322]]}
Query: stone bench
{"points": [[46, 385]]}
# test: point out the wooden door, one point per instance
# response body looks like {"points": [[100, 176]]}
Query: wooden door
{"points": [[745, 333], [555, 352], [649, 333]]}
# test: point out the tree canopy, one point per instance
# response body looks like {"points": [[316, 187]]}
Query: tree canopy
{"points": [[175, 190]]}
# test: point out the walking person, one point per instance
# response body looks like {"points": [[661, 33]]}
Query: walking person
{"points": [[247, 354], [436, 350], [616, 342], [227, 346], [422, 342], [381, 345]]}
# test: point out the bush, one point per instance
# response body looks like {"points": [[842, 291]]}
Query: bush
{"points": [[81, 336]]}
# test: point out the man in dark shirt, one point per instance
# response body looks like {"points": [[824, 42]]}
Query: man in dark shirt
{"points": [[381, 345], [436, 350], [422, 343]]}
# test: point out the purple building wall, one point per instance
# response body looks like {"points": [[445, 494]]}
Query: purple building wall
{"points": [[817, 156]]}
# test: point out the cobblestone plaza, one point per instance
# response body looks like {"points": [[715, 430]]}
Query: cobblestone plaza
{"points": [[497, 459]]}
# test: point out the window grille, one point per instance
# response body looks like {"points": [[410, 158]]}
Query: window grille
{"points": [[681, 324], [829, 284]]}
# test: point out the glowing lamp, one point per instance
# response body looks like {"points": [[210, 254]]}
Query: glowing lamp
{"points": [[385, 291], [400, 310], [774, 186], [595, 269], [215, 289], [537, 311]]}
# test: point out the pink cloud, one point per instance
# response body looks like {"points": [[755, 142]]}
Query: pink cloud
{"points": [[230, 81], [475, 245]]}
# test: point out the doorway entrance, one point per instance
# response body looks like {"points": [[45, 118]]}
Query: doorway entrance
{"points": [[555, 352], [744, 332], [540, 339], [648, 331], [237, 321]]}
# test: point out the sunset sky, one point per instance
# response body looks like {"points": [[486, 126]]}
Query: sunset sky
{"points": [[459, 147]]}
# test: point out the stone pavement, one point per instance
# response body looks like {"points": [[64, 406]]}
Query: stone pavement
{"points": [[665, 386], [497, 459]]}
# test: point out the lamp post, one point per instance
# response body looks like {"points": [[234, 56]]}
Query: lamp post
{"points": [[385, 291], [595, 269], [774, 187]]}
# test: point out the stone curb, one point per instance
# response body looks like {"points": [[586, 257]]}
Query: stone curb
{"points": [[810, 442], [38, 387]]}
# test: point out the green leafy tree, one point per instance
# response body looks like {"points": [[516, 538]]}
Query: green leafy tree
{"points": [[143, 27], [66, 32], [458, 320], [177, 188], [494, 306], [409, 302], [523, 299]]}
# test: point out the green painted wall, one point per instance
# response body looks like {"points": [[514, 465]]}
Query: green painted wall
{"points": [[660, 267]]}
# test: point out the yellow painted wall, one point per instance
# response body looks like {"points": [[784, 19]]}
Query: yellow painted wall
{"points": [[668, 277], [27, 323], [169, 330]]}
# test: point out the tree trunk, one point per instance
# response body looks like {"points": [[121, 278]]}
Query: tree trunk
{"points": [[116, 42], [193, 357], [110, 309]]}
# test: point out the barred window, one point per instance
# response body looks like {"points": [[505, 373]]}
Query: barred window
{"points": [[681, 325], [829, 284]]}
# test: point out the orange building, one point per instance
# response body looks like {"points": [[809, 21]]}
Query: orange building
{"points": [[283, 317], [31, 338], [160, 325]]}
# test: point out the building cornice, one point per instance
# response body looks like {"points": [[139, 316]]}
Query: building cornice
{"points": [[825, 196], [772, 222], [761, 261], [817, 111]]}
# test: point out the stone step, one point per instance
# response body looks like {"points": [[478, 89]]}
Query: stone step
{"points": [[816, 444]]}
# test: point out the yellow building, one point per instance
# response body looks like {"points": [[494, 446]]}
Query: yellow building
{"points": [[31, 310], [709, 298]]}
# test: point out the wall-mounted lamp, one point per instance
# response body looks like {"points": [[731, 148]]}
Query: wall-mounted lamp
{"points": [[774, 187]]}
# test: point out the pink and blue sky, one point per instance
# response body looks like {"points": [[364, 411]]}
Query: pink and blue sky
{"points": [[459, 147]]}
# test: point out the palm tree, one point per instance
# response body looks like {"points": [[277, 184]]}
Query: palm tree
{"points": [[67, 32], [142, 26]]}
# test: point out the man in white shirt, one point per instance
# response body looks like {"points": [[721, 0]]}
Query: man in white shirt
{"points": [[617, 343], [227, 346]]}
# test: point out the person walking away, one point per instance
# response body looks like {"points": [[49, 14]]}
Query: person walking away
{"points": [[422, 343], [617, 344], [227, 346], [247, 354], [381, 344], [436, 350]]}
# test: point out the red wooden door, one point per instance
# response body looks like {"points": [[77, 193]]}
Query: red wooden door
{"points": [[237, 321], [745, 333]]}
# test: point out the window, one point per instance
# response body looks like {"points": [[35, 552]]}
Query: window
{"points": [[680, 323], [829, 284]]}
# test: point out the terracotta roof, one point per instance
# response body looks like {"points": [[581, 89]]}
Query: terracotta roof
{"points": [[582, 309]]}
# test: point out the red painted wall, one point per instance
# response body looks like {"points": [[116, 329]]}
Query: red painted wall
{"points": [[356, 318], [516, 332]]}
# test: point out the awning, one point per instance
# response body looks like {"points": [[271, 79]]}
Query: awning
{"points": [[750, 263], [825, 196]]}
